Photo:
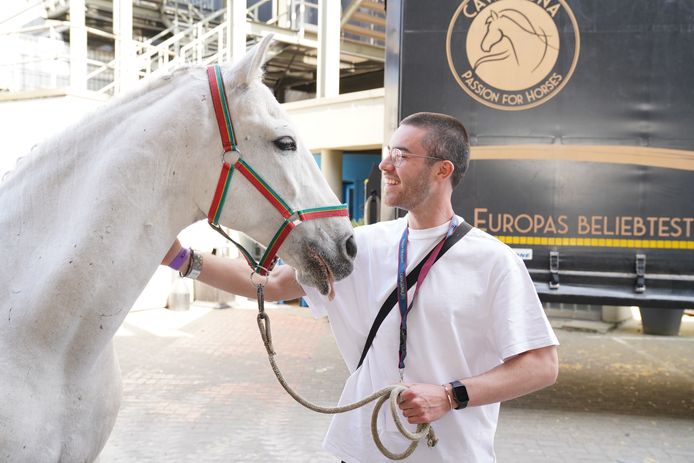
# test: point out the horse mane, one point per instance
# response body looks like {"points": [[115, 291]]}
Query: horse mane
{"points": [[153, 82], [517, 17], [144, 87]]}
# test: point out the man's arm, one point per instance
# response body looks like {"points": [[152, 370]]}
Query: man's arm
{"points": [[233, 276], [520, 375]]}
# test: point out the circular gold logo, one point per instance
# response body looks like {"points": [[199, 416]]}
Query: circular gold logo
{"points": [[512, 54]]}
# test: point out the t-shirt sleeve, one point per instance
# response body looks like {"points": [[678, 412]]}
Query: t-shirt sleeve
{"points": [[519, 321]]}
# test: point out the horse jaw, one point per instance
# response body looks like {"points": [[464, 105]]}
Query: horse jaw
{"points": [[321, 277], [318, 274]]}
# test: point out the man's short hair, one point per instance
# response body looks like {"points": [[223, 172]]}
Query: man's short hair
{"points": [[446, 138]]}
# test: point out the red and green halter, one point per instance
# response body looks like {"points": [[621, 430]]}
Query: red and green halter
{"points": [[291, 217]]}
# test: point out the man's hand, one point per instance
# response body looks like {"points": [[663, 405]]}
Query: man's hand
{"points": [[424, 403]]}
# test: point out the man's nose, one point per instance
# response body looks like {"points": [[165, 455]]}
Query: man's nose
{"points": [[386, 164]]}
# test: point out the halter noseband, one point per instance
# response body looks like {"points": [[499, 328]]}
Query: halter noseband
{"points": [[292, 217]]}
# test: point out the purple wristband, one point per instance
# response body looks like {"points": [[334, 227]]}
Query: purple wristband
{"points": [[180, 258]]}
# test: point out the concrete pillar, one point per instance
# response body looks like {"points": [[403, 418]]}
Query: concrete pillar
{"points": [[331, 167], [328, 83], [387, 212], [126, 72], [78, 46], [391, 79], [615, 313], [236, 30]]}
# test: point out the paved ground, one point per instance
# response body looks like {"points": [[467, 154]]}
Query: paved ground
{"points": [[198, 388]]}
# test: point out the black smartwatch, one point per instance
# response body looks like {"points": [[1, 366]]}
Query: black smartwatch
{"points": [[460, 393]]}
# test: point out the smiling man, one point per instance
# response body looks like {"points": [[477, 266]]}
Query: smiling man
{"points": [[470, 334]]}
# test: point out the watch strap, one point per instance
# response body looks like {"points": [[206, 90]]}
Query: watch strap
{"points": [[460, 393]]}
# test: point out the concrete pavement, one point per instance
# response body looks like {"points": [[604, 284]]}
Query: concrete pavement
{"points": [[197, 387]]}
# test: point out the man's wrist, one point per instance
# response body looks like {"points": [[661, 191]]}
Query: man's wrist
{"points": [[448, 392], [459, 395], [194, 267]]}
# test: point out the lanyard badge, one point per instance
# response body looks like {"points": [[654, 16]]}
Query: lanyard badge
{"points": [[402, 286]]}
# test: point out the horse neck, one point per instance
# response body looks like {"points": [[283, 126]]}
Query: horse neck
{"points": [[89, 217]]}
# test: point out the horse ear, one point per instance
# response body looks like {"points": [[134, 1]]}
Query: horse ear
{"points": [[494, 15], [250, 66]]}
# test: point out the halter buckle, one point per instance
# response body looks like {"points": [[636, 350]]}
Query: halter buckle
{"points": [[294, 218]]}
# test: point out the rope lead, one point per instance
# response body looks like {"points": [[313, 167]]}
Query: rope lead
{"points": [[389, 392]]}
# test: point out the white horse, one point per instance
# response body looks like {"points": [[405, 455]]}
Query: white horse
{"points": [[86, 219]]}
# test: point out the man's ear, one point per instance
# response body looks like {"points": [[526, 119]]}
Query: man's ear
{"points": [[445, 170]]}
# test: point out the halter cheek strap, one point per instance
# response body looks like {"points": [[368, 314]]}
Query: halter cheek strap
{"points": [[221, 109], [291, 217]]}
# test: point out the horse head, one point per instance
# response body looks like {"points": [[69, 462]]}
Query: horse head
{"points": [[321, 250], [494, 34]]}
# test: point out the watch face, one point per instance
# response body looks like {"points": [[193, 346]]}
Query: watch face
{"points": [[460, 394]]}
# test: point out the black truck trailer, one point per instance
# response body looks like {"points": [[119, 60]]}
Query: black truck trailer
{"points": [[581, 117]]}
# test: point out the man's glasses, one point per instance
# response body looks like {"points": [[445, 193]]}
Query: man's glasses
{"points": [[396, 156]]}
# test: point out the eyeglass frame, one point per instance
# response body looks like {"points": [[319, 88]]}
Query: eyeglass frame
{"points": [[404, 155]]}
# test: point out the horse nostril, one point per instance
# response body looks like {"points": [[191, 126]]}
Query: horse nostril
{"points": [[351, 247]]}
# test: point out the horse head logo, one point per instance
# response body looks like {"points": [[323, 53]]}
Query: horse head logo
{"points": [[518, 48], [506, 54]]}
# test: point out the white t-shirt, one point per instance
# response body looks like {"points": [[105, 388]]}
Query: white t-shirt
{"points": [[476, 307]]}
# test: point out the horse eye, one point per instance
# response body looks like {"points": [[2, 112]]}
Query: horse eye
{"points": [[285, 143]]}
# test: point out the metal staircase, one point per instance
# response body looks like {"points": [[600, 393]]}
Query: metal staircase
{"points": [[202, 43], [168, 33], [150, 17], [365, 21]]}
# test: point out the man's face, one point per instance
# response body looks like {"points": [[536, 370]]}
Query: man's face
{"points": [[408, 185]]}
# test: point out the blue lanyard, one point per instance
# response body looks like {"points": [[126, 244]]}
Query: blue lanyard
{"points": [[402, 286]]}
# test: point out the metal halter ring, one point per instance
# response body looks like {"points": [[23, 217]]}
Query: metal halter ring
{"points": [[260, 285], [234, 150]]}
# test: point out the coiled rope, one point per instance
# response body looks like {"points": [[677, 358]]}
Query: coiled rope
{"points": [[389, 392]]}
